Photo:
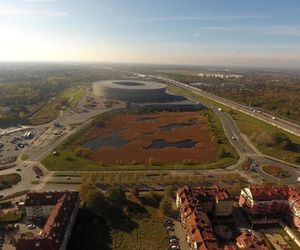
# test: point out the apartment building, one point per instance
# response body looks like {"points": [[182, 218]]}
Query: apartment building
{"points": [[194, 203], [61, 209], [267, 205]]}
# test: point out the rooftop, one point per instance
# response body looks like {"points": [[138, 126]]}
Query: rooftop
{"points": [[53, 233]]}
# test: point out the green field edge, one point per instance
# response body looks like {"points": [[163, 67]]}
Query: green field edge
{"points": [[49, 112], [244, 122]]}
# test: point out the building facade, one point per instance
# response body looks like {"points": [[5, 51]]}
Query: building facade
{"points": [[267, 205], [194, 203], [60, 220]]}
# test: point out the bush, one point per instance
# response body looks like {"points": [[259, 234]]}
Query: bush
{"points": [[165, 206], [282, 140]]}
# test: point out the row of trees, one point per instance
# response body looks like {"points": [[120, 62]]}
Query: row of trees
{"points": [[114, 203], [279, 94]]}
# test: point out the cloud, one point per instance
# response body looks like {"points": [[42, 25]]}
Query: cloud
{"points": [[204, 18], [269, 30], [40, 1], [9, 10]]}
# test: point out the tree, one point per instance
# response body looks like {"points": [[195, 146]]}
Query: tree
{"points": [[87, 185], [117, 196], [165, 206], [135, 192], [282, 140], [97, 203], [170, 192]]}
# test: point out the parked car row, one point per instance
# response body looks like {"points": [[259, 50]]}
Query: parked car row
{"points": [[1, 238], [173, 240]]}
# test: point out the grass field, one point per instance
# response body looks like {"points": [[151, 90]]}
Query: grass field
{"points": [[276, 171], [148, 233], [251, 126], [67, 159], [141, 229], [68, 98], [24, 157]]}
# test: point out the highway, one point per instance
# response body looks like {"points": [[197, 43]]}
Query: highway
{"points": [[288, 126], [239, 141], [242, 144]]}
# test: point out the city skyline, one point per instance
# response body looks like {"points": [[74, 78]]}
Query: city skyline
{"points": [[233, 33]]}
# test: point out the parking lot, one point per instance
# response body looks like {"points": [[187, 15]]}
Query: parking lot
{"points": [[14, 144], [177, 238]]}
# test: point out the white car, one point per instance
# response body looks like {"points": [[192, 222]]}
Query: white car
{"points": [[31, 226]]}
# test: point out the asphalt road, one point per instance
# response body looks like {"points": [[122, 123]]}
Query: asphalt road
{"points": [[69, 118], [243, 146], [70, 122], [286, 125]]}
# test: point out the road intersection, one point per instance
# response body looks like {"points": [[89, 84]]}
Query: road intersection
{"points": [[73, 121]]}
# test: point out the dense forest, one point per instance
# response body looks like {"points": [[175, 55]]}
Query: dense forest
{"points": [[25, 88]]}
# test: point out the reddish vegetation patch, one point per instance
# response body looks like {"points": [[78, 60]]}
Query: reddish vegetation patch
{"points": [[276, 171], [140, 131]]}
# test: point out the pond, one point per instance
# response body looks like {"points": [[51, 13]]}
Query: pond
{"points": [[113, 141], [172, 126], [159, 143]]}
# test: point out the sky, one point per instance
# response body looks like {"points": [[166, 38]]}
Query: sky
{"points": [[261, 33]]}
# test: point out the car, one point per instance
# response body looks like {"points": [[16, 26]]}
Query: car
{"points": [[31, 226], [170, 228], [68, 178], [19, 169], [233, 138], [173, 240], [168, 221], [175, 247]]}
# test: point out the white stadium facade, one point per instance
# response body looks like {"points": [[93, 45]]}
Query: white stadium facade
{"points": [[130, 90]]}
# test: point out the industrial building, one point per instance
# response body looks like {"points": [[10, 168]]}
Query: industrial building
{"points": [[130, 90]]}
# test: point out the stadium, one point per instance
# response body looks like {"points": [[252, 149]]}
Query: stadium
{"points": [[130, 90]]}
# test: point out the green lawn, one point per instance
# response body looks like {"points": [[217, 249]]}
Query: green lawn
{"points": [[251, 126], [147, 234], [24, 157], [68, 98]]}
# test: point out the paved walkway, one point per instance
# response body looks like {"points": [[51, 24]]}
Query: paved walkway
{"points": [[180, 233]]}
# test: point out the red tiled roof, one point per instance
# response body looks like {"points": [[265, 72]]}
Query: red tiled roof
{"points": [[197, 223], [249, 241], [270, 193], [55, 228]]}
